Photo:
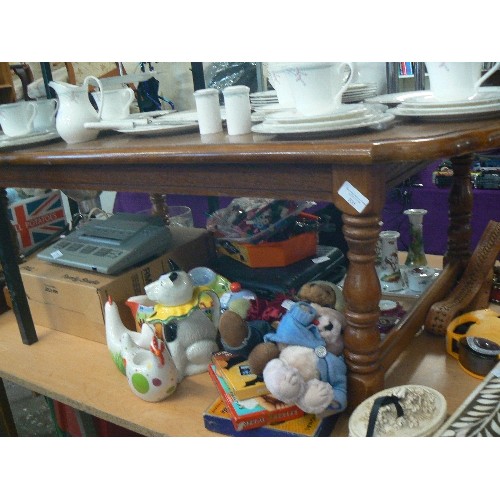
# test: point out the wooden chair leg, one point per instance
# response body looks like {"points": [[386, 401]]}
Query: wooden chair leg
{"points": [[6, 417]]}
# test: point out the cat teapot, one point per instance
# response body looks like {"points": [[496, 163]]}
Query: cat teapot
{"points": [[75, 110], [183, 315]]}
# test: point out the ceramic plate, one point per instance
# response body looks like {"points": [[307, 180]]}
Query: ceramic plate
{"points": [[429, 101], [396, 98], [151, 114], [344, 112], [35, 138], [266, 94], [161, 129], [189, 116], [449, 114], [376, 120], [424, 411]]}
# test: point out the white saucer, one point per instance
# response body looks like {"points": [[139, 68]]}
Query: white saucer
{"points": [[378, 120], [33, 138], [161, 129]]}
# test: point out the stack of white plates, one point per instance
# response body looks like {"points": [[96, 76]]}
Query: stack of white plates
{"points": [[357, 92], [348, 117], [428, 108], [263, 99]]}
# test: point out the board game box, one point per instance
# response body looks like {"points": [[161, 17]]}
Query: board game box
{"points": [[242, 382], [216, 418], [254, 412]]}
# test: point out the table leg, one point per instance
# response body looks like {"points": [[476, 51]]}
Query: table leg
{"points": [[9, 260], [460, 211], [160, 207], [362, 295]]}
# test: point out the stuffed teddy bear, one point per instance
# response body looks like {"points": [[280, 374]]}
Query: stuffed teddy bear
{"points": [[310, 370], [246, 338]]}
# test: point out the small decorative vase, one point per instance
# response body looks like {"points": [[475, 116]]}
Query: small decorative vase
{"points": [[416, 254], [388, 270]]}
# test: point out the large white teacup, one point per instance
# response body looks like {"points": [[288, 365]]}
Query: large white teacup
{"points": [[281, 76], [17, 118], [456, 81], [318, 87], [45, 119], [115, 103]]}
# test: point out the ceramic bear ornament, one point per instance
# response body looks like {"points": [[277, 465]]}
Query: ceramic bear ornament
{"points": [[183, 315], [141, 357]]}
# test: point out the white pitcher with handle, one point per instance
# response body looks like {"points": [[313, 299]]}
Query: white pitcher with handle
{"points": [[75, 109]]}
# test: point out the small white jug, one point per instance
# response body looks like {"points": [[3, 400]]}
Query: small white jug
{"points": [[75, 109]]}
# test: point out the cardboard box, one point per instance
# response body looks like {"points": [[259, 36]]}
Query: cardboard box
{"points": [[270, 254], [37, 218], [71, 300]]}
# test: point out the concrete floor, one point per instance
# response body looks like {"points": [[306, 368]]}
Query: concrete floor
{"points": [[31, 412]]}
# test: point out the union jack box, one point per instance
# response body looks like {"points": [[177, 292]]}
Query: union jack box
{"points": [[37, 218]]}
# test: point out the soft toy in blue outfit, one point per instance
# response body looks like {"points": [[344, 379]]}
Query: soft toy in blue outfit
{"points": [[307, 372]]}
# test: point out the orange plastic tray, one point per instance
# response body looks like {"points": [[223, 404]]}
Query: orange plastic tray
{"points": [[271, 254]]}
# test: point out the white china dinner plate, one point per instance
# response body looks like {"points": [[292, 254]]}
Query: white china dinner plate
{"points": [[150, 114], [429, 101], [344, 112], [161, 129], [377, 120], [448, 114], [264, 94], [187, 116], [396, 98]]}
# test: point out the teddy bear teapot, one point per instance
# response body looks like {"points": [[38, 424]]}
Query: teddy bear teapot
{"points": [[184, 315], [75, 110]]}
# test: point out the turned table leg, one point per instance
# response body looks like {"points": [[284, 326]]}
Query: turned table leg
{"points": [[160, 206], [362, 295], [460, 210]]}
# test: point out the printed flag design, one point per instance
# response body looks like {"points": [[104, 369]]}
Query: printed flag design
{"points": [[37, 218]]}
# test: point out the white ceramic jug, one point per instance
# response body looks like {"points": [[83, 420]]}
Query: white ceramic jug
{"points": [[75, 109]]}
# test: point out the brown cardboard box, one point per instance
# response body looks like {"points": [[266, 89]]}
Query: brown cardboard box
{"points": [[71, 300]]}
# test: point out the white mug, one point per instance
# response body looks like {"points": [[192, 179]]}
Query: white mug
{"points": [[45, 118], [208, 110], [17, 118], [115, 103], [238, 109], [455, 81], [318, 87]]}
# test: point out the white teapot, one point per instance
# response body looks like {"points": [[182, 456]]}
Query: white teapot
{"points": [[184, 316], [75, 110]]}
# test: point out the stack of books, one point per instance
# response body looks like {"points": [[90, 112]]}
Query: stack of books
{"points": [[245, 406]]}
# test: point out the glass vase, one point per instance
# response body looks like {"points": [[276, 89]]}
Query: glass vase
{"points": [[416, 254]]}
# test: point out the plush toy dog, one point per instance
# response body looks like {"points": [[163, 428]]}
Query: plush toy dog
{"points": [[309, 372], [292, 371]]}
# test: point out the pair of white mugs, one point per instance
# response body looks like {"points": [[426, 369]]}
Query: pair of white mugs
{"points": [[237, 110], [26, 117]]}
